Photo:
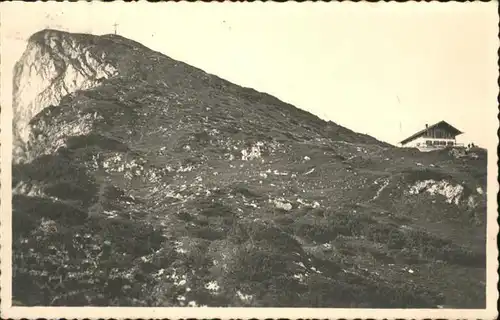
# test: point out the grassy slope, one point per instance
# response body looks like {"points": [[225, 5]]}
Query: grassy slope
{"points": [[153, 205]]}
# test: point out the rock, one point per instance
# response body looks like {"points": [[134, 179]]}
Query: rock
{"points": [[283, 205], [54, 65]]}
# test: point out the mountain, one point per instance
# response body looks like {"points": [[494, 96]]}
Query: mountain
{"points": [[139, 180]]}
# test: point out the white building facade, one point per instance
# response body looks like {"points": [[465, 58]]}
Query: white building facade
{"points": [[438, 136]]}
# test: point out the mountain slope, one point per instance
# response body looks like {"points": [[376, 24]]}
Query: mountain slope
{"points": [[140, 180]]}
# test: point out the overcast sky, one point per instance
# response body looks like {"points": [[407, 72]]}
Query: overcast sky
{"points": [[385, 69]]}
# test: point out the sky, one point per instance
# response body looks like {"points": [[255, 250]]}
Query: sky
{"points": [[384, 69]]}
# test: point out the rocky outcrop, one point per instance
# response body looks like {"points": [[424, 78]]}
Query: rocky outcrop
{"points": [[53, 65]]}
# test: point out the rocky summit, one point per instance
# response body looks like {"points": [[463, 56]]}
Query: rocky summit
{"points": [[139, 180]]}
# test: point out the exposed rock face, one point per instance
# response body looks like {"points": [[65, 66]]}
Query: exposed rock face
{"points": [[53, 65], [163, 185]]}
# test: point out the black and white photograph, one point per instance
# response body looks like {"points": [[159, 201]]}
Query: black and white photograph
{"points": [[239, 160]]}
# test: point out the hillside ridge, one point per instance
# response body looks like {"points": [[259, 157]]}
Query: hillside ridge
{"points": [[68, 62]]}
